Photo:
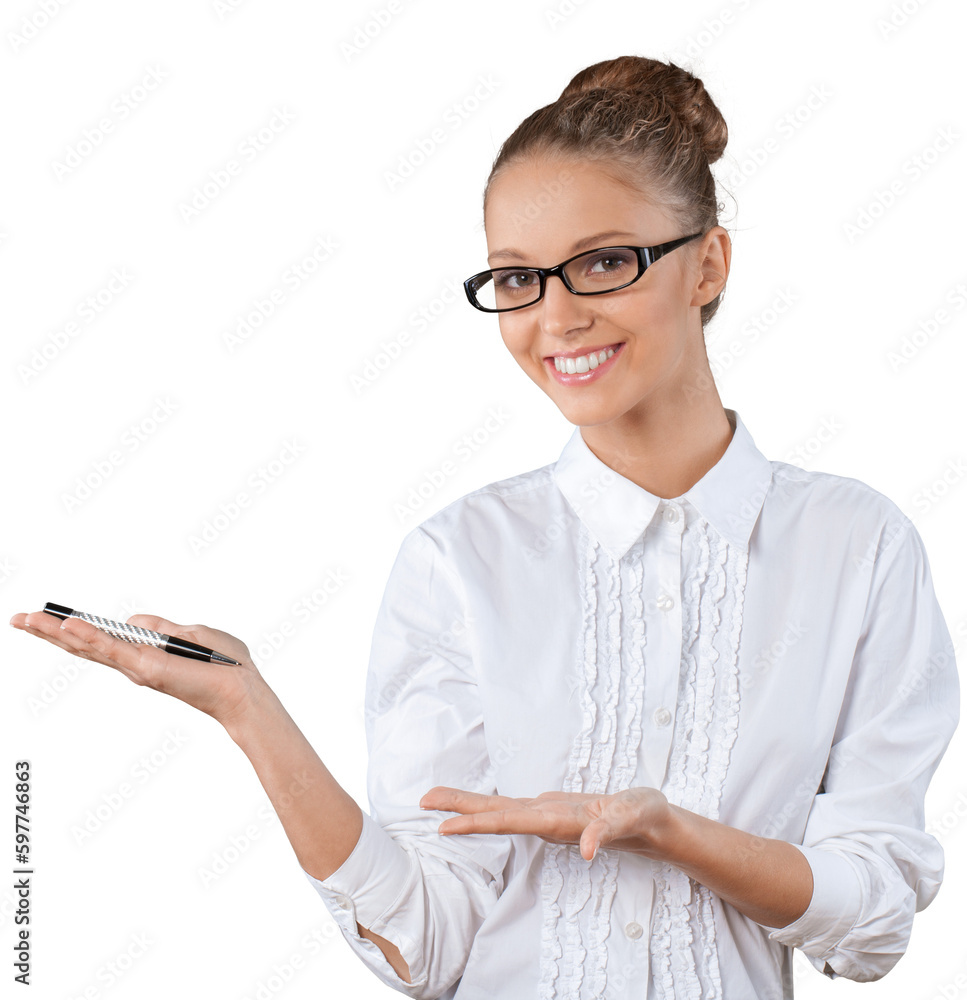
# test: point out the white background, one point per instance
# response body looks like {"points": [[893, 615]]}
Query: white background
{"points": [[132, 433]]}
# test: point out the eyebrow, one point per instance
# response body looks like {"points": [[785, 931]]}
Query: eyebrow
{"points": [[588, 241]]}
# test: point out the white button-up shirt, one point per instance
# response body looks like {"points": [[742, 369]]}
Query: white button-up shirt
{"points": [[767, 649]]}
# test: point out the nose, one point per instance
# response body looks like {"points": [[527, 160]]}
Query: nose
{"points": [[560, 310]]}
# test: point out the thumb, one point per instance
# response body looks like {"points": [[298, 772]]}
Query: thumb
{"points": [[156, 624], [598, 833]]}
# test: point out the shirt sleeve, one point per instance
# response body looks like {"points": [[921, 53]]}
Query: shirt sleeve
{"points": [[426, 893], [873, 865]]}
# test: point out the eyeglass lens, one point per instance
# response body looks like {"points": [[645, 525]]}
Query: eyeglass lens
{"points": [[597, 271]]}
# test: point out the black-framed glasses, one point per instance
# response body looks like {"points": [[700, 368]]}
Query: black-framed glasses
{"points": [[593, 272]]}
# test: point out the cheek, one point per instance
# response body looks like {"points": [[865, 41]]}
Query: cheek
{"points": [[647, 313], [513, 333], [637, 315]]}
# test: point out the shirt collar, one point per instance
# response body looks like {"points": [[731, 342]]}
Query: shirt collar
{"points": [[616, 511]]}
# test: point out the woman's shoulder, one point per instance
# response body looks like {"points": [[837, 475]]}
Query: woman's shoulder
{"points": [[794, 480], [518, 500], [835, 504]]}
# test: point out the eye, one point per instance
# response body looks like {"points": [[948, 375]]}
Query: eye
{"points": [[608, 263], [514, 280]]}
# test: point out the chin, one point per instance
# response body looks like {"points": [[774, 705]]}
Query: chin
{"points": [[587, 413]]}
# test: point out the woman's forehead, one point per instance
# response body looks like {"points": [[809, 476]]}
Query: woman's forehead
{"points": [[539, 202]]}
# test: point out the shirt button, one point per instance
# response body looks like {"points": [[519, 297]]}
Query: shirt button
{"points": [[671, 515], [662, 717], [634, 930], [665, 602], [344, 902]]}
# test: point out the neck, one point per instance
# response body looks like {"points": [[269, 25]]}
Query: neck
{"points": [[665, 449]]}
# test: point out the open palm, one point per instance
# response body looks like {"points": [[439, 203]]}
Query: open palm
{"points": [[625, 820]]}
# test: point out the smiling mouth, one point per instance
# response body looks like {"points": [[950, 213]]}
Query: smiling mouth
{"points": [[578, 364]]}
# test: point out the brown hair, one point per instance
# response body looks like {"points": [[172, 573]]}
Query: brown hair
{"points": [[652, 122]]}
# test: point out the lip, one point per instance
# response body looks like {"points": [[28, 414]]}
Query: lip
{"points": [[583, 378], [584, 350]]}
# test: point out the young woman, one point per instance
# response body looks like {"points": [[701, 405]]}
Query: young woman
{"points": [[645, 719]]}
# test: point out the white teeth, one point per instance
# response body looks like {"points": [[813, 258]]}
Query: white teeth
{"points": [[587, 362]]}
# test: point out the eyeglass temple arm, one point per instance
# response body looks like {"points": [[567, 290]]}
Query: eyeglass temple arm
{"points": [[660, 251]]}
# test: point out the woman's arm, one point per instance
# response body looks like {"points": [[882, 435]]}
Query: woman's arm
{"points": [[321, 820], [768, 880]]}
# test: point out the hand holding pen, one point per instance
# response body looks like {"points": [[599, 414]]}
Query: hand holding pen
{"points": [[217, 683], [134, 633]]}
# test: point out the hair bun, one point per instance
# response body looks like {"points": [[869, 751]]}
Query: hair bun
{"points": [[651, 80]]}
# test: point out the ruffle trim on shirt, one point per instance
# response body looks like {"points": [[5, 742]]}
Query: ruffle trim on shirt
{"points": [[574, 955], [706, 724], [626, 766], [577, 895]]}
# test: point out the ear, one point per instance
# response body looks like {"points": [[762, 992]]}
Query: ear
{"points": [[715, 258]]}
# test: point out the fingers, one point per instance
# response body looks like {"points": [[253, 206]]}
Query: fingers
{"points": [[152, 622], [481, 813], [200, 684], [587, 820], [20, 621], [518, 819], [457, 800], [486, 813], [55, 640], [115, 652], [82, 639]]}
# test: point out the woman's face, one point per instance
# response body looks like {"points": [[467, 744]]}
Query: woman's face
{"points": [[542, 211]]}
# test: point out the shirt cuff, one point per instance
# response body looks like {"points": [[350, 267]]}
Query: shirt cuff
{"points": [[364, 889], [833, 909]]}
